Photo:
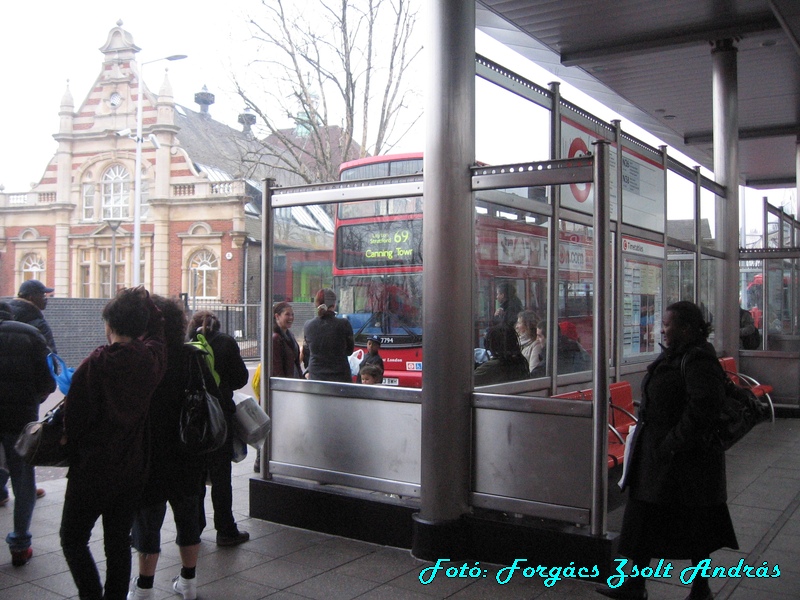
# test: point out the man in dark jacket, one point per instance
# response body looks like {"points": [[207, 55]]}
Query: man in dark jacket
{"points": [[25, 381], [28, 306]]}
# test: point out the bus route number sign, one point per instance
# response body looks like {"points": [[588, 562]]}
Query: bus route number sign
{"points": [[381, 244]]}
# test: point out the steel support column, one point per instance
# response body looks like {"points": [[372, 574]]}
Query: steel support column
{"points": [[600, 333], [726, 172], [796, 178], [267, 287], [448, 312]]}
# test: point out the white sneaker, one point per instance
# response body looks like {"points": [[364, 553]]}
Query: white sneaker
{"points": [[186, 587], [138, 593]]}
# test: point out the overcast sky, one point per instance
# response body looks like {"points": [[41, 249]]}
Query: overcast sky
{"points": [[47, 42]]}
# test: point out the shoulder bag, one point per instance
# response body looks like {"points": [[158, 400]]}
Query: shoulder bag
{"points": [[43, 443], [203, 428], [741, 411]]}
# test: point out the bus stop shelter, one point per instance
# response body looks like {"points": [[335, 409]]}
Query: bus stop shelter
{"points": [[719, 84]]}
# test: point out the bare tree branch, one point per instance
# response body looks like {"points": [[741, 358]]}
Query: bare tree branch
{"points": [[311, 80]]}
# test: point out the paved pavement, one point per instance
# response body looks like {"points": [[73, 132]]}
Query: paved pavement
{"points": [[284, 563]]}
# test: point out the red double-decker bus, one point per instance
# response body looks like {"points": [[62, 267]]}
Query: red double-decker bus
{"points": [[378, 262], [377, 268]]}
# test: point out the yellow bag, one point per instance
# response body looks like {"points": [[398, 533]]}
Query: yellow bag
{"points": [[257, 382]]}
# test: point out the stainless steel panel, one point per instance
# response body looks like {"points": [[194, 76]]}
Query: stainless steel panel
{"points": [[360, 436], [545, 458], [371, 484], [568, 514], [531, 404]]}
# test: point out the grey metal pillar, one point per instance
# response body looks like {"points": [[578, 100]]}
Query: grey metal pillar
{"points": [[447, 313], [726, 172], [600, 336], [698, 256], [267, 264], [797, 178], [551, 341]]}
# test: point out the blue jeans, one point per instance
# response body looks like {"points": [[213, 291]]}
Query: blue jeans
{"points": [[23, 482]]}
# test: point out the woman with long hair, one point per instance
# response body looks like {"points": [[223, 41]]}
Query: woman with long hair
{"points": [[676, 473], [233, 375], [328, 341], [285, 349]]}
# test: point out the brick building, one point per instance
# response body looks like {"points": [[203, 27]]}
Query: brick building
{"points": [[200, 191]]}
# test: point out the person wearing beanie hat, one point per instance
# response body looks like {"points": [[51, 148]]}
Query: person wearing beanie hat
{"points": [[328, 341], [27, 308]]}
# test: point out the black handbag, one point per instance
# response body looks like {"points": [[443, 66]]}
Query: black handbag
{"points": [[43, 443], [741, 411], [203, 428]]}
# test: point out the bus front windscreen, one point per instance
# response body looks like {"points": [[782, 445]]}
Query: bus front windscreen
{"points": [[389, 306]]}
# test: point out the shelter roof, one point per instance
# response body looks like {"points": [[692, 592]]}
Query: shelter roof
{"points": [[651, 62]]}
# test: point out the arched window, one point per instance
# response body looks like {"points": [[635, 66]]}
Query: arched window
{"points": [[116, 185], [204, 275], [32, 267]]}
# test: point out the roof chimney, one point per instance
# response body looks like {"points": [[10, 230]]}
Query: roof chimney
{"points": [[247, 119], [204, 99]]}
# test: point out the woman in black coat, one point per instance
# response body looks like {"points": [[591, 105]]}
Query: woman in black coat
{"points": [[328, 341], [676, 474]]}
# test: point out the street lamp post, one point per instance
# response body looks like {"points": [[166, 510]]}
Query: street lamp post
{"points": [[113, 225], [137, 176]]}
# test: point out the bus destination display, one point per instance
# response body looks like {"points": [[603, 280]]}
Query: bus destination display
{"points": [[379, 244]]}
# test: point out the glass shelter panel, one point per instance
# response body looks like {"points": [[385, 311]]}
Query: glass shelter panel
{"points": [[751, 296], [509, 128], [680, 276], [710, 237], [511, 266], [680, 207], [780, 310], [710, 273], [786, 238], [773, 230], [575, 297]]}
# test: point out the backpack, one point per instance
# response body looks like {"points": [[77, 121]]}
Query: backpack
{"points": [[741, 411], [201, 342], [202, 425]]}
